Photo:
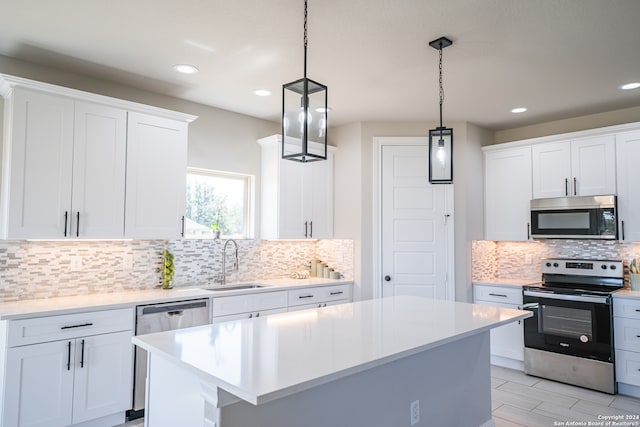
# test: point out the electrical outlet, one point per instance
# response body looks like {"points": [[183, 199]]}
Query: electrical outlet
{"points": [[414, 409], [75, 263], [127, 261]]}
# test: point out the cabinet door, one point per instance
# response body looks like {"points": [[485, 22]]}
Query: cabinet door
{"points": [[628, 153], [39, 170], [39, 385], [508, 340], [593, 166], [507, 194], [103, 372], [319, 196], [292, 209], [156, 177], [552, 170], [100, 141]]}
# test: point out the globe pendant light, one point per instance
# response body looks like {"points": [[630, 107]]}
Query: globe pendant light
{"points": [[441, 138], [304, 116]]}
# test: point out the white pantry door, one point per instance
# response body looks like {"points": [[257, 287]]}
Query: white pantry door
{"points": [[415, 221]]}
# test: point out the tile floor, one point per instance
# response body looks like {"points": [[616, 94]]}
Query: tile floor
{"points": [[519, 400]]}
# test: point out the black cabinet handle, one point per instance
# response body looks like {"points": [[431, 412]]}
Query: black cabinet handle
{"points": [[258, 314], [69, 356], [66, 218], [250, 315], [528, 231], [78, 224], [336, 293], [82, 356], [387, 278], [311, 229], [575, 185], [622, 226], [182, 228], [566, 186], [305, 296], [305, 229], [498, 295], [76, 326]]}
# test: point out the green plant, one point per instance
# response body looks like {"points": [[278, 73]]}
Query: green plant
{"points": [[215, 227], [167, 269]]}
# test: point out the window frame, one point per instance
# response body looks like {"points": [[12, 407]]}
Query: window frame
{"points": [[249, 199]]}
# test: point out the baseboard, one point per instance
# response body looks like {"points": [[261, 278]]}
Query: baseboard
{"points": [[505, 362], [628, 389]]}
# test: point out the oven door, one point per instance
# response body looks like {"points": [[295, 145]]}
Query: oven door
{"points": [[577, 325]]}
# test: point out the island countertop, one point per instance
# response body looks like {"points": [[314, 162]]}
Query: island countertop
{"points": [[263, 359]]}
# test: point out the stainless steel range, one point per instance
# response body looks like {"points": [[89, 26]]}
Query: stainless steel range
{"points": [[570, 336]]}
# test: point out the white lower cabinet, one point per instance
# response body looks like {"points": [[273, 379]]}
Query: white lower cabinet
{"points": [[300, 299], [71, 380], [507, 342], [626, 330], [248, 306]]}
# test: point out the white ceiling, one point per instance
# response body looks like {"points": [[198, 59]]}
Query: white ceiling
{"points": [[559, 58]]}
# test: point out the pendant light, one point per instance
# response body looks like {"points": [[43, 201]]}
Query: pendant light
{"points": [[441, 138], [304, 116]]}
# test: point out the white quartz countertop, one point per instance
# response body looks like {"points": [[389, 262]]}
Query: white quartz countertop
{"points": [[627, 293], [506, 282], [123, 299], [266, 358]]}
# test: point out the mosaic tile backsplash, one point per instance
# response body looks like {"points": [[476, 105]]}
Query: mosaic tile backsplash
{"points": [[49, 269], [509, 260]]}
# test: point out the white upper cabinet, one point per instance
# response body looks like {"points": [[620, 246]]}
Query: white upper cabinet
{"points": [[156, 177], [69, 156], [296, 198], [628, 152], [581, 167], [507, 193]]}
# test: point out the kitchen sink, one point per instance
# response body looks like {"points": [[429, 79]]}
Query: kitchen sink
{"points": [[235, 287]]}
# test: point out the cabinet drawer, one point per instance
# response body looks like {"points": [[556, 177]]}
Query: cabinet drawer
{"points": [[318, 305], [628, 367], [52, 328], [249, 303], [627, 333], [320, 294], [624, 307], [498, 294]]}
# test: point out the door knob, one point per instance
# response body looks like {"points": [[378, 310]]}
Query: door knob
{"points": [[387, 278]]}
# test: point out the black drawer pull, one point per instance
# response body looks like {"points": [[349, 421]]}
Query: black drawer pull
{"points": [[82, 356], [76, 326], [337, 293], [305, 296], [498, 295]]}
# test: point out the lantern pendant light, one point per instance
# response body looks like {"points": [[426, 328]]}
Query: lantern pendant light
{"points": [[441, 138], [304, 116]]}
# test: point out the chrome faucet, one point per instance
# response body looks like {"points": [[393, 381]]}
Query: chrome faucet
{"points": [[223, 279]]}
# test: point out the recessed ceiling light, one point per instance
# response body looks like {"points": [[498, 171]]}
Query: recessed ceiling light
{"points": [[262, 92], [629, 86], [185, 68], [519, 110]]}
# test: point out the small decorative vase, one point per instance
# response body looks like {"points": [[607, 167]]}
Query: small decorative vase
{"points": [[634, 281], [167, 284]]}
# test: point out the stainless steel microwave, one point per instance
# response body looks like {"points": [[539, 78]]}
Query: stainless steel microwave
{"points": [[590, 217]]}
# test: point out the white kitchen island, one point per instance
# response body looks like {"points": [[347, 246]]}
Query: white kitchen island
{"points": [[359, 364]]}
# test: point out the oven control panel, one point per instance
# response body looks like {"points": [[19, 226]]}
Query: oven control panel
{"points": [[583, 267]]}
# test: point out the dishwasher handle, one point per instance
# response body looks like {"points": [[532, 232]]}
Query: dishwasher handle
{"points": [[173, 308]]}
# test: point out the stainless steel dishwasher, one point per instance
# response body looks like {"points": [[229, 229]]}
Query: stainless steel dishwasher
{"points": [[159, 318]]}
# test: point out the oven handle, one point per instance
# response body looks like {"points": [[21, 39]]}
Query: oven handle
{"points": [[581, 298]]}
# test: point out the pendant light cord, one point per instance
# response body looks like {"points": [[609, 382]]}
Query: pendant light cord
{"points": [[440, 81], [305, 39]]}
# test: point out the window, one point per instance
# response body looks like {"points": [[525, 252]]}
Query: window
{"points": [[218, 204]]}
